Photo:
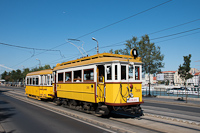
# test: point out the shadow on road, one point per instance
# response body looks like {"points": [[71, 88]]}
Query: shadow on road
{"points": [[5, 110]]}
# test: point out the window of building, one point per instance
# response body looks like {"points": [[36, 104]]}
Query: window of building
{"points": [[130, 72], [137, 73], [89, 75], [77, 76], [116, 76], [109, 72], [123, 72], [68, 76], [60, 77]]}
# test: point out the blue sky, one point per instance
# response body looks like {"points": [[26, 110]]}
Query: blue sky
{"points": [[47, 24]]}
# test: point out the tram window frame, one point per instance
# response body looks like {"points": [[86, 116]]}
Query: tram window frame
{"points": [[116, 72], [45, 80], [36, 81], [109, 75], [48, 79], [137, 71], [27, 81], [123, 73], [91, 78], [130, 74], [31, 80], [60, 77], [41, 80], [69, 77], [77, 77]]}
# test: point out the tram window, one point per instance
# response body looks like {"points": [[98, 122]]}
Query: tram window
{"points": [[109, 72], [123, 72], [45, 79], [89, 75], [77, 76], [30, 81], [41, 80], [130, 72], [137, 73], [48, 80], [36, 82], [60, 77], [27, 81], [116, 72], [68, 76]]}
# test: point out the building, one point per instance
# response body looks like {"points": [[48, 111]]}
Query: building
{"points": [[194, 81], [166, 76], [145, 80]]}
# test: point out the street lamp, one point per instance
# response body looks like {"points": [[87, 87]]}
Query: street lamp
{"points": [[39, 62], [97, 44]]}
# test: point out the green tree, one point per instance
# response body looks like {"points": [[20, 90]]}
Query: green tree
{"points": [[4, 74], [150, 54], [183, 71]]}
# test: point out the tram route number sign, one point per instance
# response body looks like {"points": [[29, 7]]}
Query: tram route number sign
{"points": [[134, 99]]}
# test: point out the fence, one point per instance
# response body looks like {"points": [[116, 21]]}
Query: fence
{"points": [[164, 92]]}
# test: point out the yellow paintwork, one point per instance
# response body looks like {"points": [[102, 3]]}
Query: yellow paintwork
{"points": [[113, 92], [98, 58], [40, 92], [100, 93], [77, 91], [42, 72]]}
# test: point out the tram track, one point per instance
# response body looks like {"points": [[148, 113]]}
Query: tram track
{"points": [[121, 118], [129, 127], [150, 112]]}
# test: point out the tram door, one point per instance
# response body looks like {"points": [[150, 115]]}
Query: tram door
{"points": [[100, 83]]}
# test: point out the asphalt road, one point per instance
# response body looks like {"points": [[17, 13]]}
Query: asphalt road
{"points": [[185, 112], [19, 117]]}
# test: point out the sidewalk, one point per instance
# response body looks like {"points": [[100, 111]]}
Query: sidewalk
{"points": [[173, 100]]}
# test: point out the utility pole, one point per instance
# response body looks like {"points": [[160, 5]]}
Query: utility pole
{"points": [[97, 44]]}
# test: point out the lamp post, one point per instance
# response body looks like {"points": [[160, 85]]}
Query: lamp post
{"points": [[97, 44], [39, 62]]}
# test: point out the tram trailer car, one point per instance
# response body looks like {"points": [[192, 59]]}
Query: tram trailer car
{"points": [[100, 83], [39, 85]]}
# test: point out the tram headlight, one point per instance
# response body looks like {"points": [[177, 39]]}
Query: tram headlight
{"points": [[131, 95]]}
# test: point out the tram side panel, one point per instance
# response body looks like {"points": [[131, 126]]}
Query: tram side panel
{"points": [[77, 91]]}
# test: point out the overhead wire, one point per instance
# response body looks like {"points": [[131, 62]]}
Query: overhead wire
{"points": [[106, 26], [174, 26], [125, 18], [175, 34]]}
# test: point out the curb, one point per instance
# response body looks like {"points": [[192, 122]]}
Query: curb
{"points": [[173, 119], [173, 103], [2, 129], [175, 97]]}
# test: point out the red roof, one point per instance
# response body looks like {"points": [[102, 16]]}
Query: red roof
{"points": [[196, 74], [154, 78]]}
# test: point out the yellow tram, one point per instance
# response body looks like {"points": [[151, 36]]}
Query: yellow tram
{"points": [[39, 85], [99, 83]]}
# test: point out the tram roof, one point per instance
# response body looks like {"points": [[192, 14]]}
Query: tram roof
{"points": [[42, 72], [98, 58]]}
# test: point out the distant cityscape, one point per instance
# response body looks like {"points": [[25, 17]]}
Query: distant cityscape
{"points": [[172, 78]]}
